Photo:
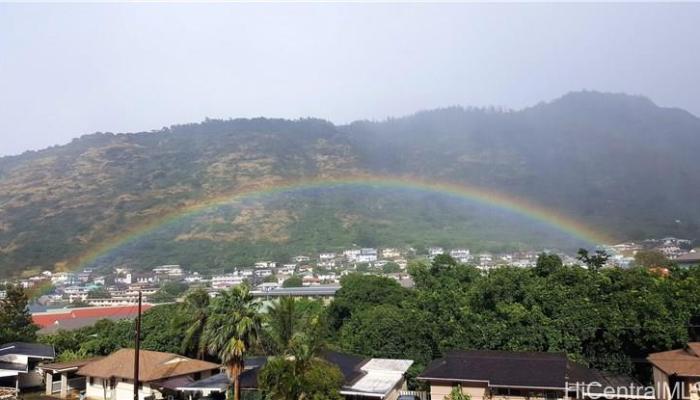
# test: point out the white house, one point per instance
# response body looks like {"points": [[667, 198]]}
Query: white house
{"points": [[169, 270], [225, 281], [461, 255], [435, 251], [367, 255]]}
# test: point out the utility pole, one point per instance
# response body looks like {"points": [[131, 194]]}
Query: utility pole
{"points": [[136, 351]]}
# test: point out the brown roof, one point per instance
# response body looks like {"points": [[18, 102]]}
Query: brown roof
{"points": [[153, 365], [690, 258], [681, 362], [68, 365]]}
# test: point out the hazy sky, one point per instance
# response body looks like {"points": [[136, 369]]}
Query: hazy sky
{"points": [[68, 70]]}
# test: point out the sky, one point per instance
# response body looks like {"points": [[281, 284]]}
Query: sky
{"points": [[72, 69]]}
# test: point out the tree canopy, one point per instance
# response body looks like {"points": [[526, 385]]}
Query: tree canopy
{"points": [[15, 320]]}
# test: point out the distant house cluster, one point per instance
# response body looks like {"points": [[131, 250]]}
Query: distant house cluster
{"points": [[304, 275]]}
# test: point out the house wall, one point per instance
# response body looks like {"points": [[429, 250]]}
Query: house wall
{"points": [[31, 379], [660, 384], [693, 388], [477, 391], [394, 393], [123, 390]]}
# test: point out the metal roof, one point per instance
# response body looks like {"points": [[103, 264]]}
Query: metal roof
{"points": [[35, 350]]}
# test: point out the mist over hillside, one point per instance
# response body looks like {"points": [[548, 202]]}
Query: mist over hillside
{"points": [[619, 163]]}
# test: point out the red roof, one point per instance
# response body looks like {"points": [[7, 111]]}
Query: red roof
{"points": [[45, 319]]}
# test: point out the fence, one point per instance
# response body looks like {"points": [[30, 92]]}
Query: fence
{"points": [[73, 385], [416, 394]]}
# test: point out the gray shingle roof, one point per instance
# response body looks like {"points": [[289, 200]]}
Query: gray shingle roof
{"points": [[36, 350]]}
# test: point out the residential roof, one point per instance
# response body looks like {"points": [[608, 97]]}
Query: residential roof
{"points": [[690, 258], [35, 350], [501, 368], [367, 377], [68, 365], [153, 365], [10, 366], [219, 382], [77, 323], [347, 363], [298, 291], [682, 362], [625, 387], [48, 318], [378, 377]]}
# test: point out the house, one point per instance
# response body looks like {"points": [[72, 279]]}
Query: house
{"points": [[174, 271], [322, 292], [367, 255], [375, 378], [351, 255], [226, 281], [301, 259], [324, 257], [64, 278], [461, 255], [435, 251], [692, 258], [112, 377], [19, 362], [391, 253], [500, 375], [677, 372], [61, 378]]}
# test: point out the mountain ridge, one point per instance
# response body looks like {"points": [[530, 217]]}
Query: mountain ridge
{"points": [[618, 162]]}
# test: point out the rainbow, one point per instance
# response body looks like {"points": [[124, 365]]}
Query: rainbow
{"points": [[471, 193]]}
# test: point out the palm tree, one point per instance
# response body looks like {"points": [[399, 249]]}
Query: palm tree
{"points": [[298, 372], [232, 328], [283, 321], [195, 309]]}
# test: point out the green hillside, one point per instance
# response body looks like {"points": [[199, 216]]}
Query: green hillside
{"points": [[620, 163]]}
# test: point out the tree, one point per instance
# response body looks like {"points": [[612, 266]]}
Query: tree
{"points": [[593, 262], [650, 259], [297, 371], [293, 281], [195, 310], [98, 293], [79, 303], [388, 331], [283, 379], [232, 328], [15, 320], [391, 268], [441, 263], [270, 279], [547, 264], [456, 394], [168, 292], [283, 321], [362, 267], [358, 292]]}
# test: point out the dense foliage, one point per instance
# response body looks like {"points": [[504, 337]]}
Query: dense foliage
{"points": [[608, 318]]}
